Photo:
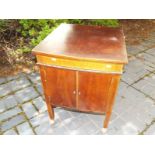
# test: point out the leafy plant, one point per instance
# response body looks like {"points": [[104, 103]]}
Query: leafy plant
{"points": [[37, 30], [2, 24], [105, 22]]}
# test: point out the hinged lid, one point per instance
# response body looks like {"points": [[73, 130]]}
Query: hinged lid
{"points": [[96, 43]]}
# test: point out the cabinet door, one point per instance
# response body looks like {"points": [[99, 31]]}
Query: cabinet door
{"points": [[60, 86], [93, 91]]}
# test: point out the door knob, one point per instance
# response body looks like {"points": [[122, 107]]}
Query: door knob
{"points": [[74, 92], [79, 93]]}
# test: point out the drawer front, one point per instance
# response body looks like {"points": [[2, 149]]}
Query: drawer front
{"points": [[80, 64]]}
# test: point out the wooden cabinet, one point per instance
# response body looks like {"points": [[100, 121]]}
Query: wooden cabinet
{"points": [[80, 67]]}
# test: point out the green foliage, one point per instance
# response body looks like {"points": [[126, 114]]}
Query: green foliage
{"points": [[2, 24], [76, 21], [23, 49], [105, 22], [6, 24], [38, 29]]}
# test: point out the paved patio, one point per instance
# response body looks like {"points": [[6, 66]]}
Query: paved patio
{"points": [[23, 109]]}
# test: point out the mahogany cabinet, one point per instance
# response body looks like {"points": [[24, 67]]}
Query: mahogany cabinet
{"points": [[80, 67]]}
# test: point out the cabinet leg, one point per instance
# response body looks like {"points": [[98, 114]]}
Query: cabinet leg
{"points": [[106, 122], [50, 109], [107, 119], [110, 99]]}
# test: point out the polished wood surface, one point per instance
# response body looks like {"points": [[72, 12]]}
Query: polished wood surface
{"points": [[83, 91], [80, 65], [85, 42], [80, 68], [93, 91], [60, 86]]}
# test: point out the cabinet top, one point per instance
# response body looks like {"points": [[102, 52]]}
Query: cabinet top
{"points": [[96, 43]]}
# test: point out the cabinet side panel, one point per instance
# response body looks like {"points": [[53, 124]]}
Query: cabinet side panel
{"points": [[43, 77], [112, 92], [47, 98]]}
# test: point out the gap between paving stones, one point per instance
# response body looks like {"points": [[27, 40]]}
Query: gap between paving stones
{"points": [[153, 121], [21, 113], [26, 120], [153, 72], [140, 51], [147, 127], [20, 104], [31, 85]]}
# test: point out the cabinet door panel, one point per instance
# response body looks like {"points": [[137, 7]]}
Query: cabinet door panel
{"points": [[60, 86], [93, 91]]}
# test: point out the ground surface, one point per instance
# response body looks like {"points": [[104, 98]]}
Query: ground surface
{"points": [[23, 110]]}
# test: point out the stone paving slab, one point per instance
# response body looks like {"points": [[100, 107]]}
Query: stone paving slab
{"points": [[147, 85], [14, 121], [40, 104], [151, 51], [134, 71], [34, 77], [39, 88], [86, 129], [46, 129], [25, 129], [2, 80], [23, 109], [26, 94], [10, 132], [7, 103], [148, 43], [29, 110], [9, 113], [19, 83], [39, 119], [133, 50], [150, 130], [5, 89], [13, 77]]}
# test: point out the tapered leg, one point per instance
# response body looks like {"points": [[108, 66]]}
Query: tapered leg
{"points": [[110, 100], [107, 119], [47, 98], [49, 108], [106, 122]]}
